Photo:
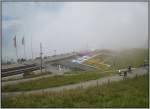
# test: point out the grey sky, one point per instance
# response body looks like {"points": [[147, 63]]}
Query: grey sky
{"points": [[72, 26]]}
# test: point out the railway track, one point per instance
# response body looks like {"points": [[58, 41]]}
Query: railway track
{"points": [[18, 70]]}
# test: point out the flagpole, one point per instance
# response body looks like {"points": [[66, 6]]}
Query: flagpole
{"points": [[5, 51], [24, 52], [41, 55], [31, 48], [24, 49], [16, 52], [16, 49]]}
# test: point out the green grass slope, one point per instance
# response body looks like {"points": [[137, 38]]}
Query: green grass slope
{"points": [[129, 57], [127, 93], [54, 81]]}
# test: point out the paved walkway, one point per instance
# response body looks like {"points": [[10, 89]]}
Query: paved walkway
{"points": [[136, 72]]}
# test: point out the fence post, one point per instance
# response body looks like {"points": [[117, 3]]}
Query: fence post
{"points": [[136, 76], [23, 93], [42, 91], [81, 86], [97, 83], [108, 81], [62, 92]]}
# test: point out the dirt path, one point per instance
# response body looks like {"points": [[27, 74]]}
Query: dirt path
{"points": [[136, 72]]}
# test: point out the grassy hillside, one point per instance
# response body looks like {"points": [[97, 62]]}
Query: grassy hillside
{"points": [[126, 93], [118, 60], [55, 81], [129, 57]]}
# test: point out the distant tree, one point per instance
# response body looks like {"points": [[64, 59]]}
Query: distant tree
{"points": [[45, 57], [21, 60], [37, 58], [8, 62]]}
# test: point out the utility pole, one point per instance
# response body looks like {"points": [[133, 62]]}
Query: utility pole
{"points": [[15, 45], [115, 61], [41, 55], [23, 42], [55, 52]]}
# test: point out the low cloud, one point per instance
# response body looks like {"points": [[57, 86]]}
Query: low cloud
{"points": [[74, 26]]}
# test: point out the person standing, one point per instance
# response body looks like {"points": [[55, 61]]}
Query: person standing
{"points": [[125, 75], [129, 69]]}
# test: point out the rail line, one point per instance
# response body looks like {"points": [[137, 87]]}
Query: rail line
{"points": [[18, 70]]}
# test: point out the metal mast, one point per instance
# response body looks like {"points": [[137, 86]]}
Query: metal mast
{"points": [[41, 55]]}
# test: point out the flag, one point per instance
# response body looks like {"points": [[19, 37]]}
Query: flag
{"points": [[14, 41], [23, 41]]}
